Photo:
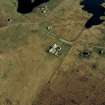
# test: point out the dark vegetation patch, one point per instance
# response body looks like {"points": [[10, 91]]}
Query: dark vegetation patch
{"points": [[100, 51], [85, 54]]}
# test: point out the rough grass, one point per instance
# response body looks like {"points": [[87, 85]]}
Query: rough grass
{"points": [[53, 4], [14, 36], [7, 66]]}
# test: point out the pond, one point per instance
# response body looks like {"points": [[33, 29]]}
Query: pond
{"points": [[95, 8], [26, 6]]}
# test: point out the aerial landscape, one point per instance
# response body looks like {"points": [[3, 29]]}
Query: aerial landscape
{"points": [[52, 52]]}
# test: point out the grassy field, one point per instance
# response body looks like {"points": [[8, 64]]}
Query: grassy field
{"points": [[31, 76]]}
